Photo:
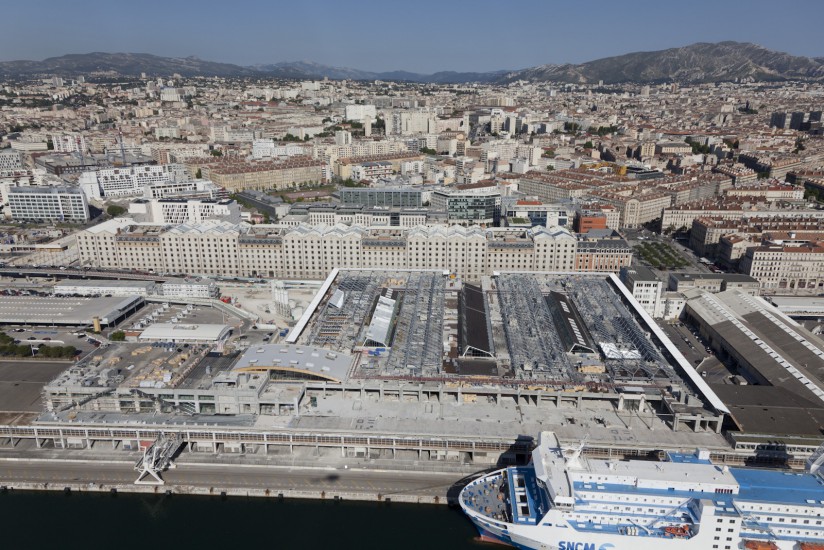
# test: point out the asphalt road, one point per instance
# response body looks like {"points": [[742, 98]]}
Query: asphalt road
{"points": [[222, 476]]}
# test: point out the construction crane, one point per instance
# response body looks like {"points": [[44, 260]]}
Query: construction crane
{"points": [[122, 149]]}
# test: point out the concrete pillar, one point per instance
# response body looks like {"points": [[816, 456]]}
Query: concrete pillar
{"points": [[621, 402], [642, 405]]}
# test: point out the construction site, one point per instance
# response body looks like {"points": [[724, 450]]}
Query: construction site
{"points": [[524, 329]]}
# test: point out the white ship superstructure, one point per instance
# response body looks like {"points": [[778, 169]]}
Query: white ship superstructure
{"points": [[565, 501]]}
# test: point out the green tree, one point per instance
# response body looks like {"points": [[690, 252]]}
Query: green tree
{"points": [[199, 174], [117, 336], [114, 210], [217, 153]]}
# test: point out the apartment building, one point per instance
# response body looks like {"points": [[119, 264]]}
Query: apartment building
{"points": [[10, 160], [193, 189], [343, 167], [263, 175], [180, 211], [310, 252], [68, 143], [606, 255], [48, 203], [267, 148], [124, 182], [684, 215], [645, 288], [795, 269], [638, 208]]}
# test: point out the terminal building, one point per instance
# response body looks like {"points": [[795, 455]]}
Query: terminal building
{"points": [[778, 394], [567, 339]]}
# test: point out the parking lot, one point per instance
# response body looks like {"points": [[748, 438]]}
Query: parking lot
{"points": [[21, 383]]}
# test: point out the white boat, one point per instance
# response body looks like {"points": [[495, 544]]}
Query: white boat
{"points": [[565, 501]]}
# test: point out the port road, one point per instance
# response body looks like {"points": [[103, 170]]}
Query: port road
{"points": [[221, 476]]}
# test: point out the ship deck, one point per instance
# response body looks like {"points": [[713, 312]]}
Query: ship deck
{"points": [[756, 485], [489, 496]]}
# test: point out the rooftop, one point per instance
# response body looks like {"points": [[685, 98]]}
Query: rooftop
{"points": [[291, 361], [38, 310]]}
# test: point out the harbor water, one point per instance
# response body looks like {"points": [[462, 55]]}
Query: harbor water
{"points": [[34, 520]]}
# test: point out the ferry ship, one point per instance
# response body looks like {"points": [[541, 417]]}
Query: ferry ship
{"points": [[565, 501]]}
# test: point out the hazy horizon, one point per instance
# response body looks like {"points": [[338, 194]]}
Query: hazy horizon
{"points": [[375, 36]]}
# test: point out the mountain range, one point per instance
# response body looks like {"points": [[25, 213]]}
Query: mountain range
{"points": [[701, 62]]}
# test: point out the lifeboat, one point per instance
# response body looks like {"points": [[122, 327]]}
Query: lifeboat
{"points": [[677, 530], [760, 545]]}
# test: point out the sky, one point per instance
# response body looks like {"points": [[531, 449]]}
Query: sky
{"points": [[421, 36]]}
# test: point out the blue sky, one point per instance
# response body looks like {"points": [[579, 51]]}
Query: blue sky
{"points": [[422, 35]]}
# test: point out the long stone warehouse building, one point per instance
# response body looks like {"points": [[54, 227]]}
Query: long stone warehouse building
{"points": [[311, 252]]}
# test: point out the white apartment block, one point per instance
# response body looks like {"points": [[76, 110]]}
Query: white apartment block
{"points": [[189, 290], [360, 113], [405, 123], [180, 211], [68, 143], [266, 148], [10, 160], [204, 189], [171, 132], [227, 134], [124, 182], [311, 252], [645, 287], [48, 203], [171, 94]]}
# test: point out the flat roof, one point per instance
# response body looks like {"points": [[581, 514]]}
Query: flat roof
{"points": [[39, 310], [301, 360], [102, 284], [796, 305], [185, 332], [779, 349], [728, 277]]}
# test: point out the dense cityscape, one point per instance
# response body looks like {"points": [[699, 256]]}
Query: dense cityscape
{"points": [[568, 286]]}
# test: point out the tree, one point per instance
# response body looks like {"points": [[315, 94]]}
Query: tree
{"points": [[117, 336], [114, 210], [427, 151], [199, 174], [588, 145], [217, 153]]}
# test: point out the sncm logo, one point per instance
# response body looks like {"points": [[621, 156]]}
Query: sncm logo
{"points": [[571, 545]]}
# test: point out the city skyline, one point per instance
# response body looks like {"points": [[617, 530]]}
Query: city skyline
{"points": [[374, 37]]}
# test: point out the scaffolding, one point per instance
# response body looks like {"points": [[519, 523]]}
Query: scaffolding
{"points": [[534, 344], [417, 348], [339, 328], [610, 322]]}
